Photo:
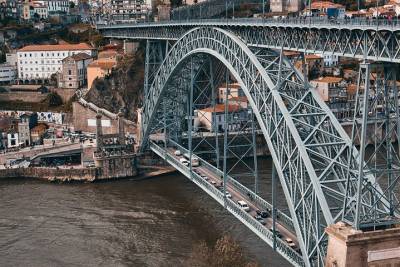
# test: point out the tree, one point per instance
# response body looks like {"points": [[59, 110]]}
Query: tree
{"points": [[71, 4], [53, 100], [225, 253]]}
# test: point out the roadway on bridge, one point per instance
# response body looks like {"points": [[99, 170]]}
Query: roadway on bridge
{"points": [[215, 180]]}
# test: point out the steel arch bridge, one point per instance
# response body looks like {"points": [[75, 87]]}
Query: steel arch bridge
{"points": [[317, 163]]}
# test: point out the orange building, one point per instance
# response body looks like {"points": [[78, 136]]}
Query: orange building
{"points": [[99, 69]]}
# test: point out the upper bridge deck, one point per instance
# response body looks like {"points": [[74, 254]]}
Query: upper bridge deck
{"points": [[370, 39]]}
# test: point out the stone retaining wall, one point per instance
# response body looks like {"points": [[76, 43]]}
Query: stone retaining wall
{"points": [[52, 174]]}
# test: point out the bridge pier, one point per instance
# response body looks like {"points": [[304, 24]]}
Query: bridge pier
{"points": [[348, 247]]}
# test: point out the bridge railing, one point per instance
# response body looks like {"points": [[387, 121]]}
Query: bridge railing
{"points": [[281, 245], [263, 232]]}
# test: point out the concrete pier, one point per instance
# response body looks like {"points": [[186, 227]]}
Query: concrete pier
{"points": [[348, 247]]}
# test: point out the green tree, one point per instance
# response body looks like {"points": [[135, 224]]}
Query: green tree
{"points": [[53, 100]]}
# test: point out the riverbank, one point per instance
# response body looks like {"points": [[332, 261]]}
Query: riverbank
{"points": [[74, 174]]}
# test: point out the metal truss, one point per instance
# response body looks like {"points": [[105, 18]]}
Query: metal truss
{"points": [[310, 149], [376, 123], [349, 38]]}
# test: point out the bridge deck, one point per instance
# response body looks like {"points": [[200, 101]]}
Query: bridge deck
{"points": [[238, 192], [377, 40]]}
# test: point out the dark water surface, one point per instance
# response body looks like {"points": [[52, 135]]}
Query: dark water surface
{"points": [[152, 222]]}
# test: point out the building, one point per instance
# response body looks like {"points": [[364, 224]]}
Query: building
{"points": [[24, 133], [38, 62], [39, 10], [11, 59], [73, 73], [164, 12], [329, 88], [207, 117], [130, 10], [314, 65], [12, 139], [286, 6], [34, 10], [235, 91], [10, 9], [57, 6], [7, 73], [330, 60], [325, 8], [99, 69], [37, 133]]}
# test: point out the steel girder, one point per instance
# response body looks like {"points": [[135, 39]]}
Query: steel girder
{"points": [[309, 148], [372, 43]]}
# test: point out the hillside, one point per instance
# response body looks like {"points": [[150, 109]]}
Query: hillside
{"points": [[122, 88]]}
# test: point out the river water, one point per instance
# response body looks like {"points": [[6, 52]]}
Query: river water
{"points": [[152, 222]]}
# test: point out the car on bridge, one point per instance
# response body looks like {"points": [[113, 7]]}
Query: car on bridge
{"points": [[243, 205]]}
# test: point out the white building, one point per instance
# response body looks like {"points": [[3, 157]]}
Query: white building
{"points": [[208, 116], [40, 9], [330, 60], [54, 6], [328, 87], [39, 62], [7, 73], [12, 139]]}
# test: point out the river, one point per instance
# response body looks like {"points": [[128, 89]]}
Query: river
{"points": [[152, 222]]}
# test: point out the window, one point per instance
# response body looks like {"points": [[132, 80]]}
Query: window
{"points": [[69, 72]]}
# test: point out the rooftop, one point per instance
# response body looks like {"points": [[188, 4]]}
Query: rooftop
{"points": [[103, 63], [221, 108], [312, 57], [238, 99], [324, 5], [57, 47], [328, 79], [231, 85], [78, 57]]}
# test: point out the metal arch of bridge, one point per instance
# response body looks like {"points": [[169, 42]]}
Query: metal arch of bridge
{"points": [[309, 148], [346, 38]]}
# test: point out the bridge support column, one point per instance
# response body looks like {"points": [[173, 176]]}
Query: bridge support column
{"points": [[376, 128], [155, 54]]}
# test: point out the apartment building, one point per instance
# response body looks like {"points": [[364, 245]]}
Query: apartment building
{"points": [[130, 10], [36, 63], [7, 73]]}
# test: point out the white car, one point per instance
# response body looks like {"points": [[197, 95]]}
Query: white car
{"points": [[184, 161], [228, 195], [243, 205], [177, 152]]}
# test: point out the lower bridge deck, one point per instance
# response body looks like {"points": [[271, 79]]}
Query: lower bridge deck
{"points": [[209, 178]]}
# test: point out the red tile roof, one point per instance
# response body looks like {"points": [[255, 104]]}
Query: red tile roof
{"points": [[221, 108], [57, 47]]}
